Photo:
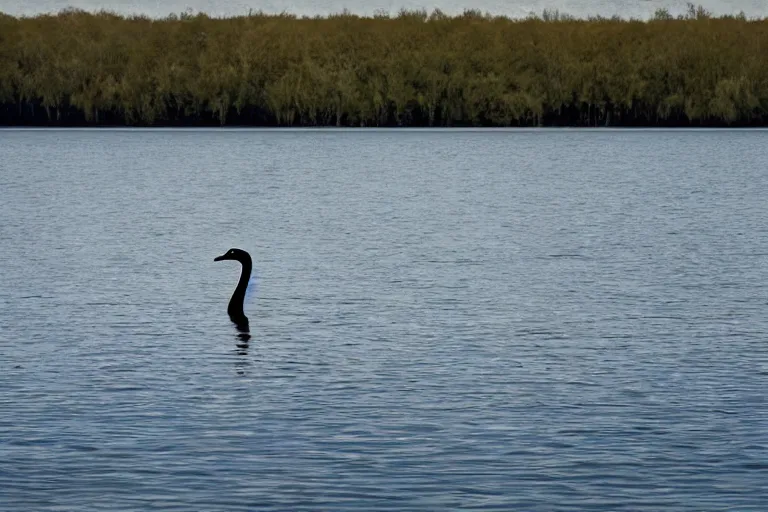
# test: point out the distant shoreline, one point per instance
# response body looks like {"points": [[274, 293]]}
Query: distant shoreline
{"points": [[385, 129], [417, 69]]}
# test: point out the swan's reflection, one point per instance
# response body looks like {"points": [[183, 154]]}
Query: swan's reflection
{"points": [[244, 336]]}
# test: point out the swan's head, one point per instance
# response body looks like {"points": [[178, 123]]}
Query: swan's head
{"points": [[234, 254]]}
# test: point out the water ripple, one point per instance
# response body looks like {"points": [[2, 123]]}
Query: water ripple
{"points": [[549, 321]]}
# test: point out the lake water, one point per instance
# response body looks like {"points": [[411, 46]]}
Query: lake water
{"points": [[514, 8], [534, 320]]}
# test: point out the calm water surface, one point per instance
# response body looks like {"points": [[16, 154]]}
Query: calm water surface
{"points": [[497, 320]]}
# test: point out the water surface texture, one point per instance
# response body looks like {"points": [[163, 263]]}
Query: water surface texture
{"points": [[535, 320], [514, 8]]}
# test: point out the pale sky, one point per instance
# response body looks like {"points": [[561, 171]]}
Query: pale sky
{"points": [[514, 8]]}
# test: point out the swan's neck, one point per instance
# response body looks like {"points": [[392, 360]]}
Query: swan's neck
{"points": [[235, 308]]}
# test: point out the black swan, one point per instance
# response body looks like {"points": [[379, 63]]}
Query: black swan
{"points": [[235, 308]]}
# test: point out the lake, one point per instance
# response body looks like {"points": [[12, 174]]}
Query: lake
{"points": [[537, 320]]}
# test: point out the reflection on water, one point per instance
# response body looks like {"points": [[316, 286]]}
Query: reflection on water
{"points": [[241, 349], [244, 336]]}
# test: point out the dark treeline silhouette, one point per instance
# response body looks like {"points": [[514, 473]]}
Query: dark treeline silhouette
{"points": [[413, 69]]}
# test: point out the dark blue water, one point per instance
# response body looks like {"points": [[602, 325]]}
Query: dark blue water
{"points": [[498, 320]]}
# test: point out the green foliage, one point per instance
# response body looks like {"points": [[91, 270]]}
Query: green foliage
{"points": [[410, 69]]}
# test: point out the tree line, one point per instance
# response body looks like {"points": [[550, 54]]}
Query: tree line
{"points": [[416, 68]]}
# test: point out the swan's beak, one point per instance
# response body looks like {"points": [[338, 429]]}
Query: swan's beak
{"points": [[219, 258]]}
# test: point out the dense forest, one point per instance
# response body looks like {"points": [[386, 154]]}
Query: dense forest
{"points": [[414, 69]]}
